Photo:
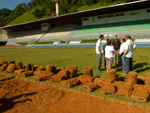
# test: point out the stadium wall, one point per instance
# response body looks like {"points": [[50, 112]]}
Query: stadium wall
{"points": [[133, 15]]}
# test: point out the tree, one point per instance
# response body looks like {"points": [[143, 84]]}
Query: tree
{"points": [[5, 12], [43, 11], [20, 9], [37, 13]]}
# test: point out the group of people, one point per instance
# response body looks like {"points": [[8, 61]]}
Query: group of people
{"points": [[119, 50]]}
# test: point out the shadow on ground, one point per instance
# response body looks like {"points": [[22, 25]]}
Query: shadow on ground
{"points": [[139, 67], [8, 103]]}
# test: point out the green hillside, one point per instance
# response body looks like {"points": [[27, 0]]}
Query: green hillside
{"points": [[98, 5], [27, 17]]}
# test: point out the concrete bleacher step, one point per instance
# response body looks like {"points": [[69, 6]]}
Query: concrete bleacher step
{"points": [[56, 43], [75, 42], [142, 40]]}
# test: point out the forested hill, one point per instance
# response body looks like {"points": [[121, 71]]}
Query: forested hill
{"points": [[39, 9]]}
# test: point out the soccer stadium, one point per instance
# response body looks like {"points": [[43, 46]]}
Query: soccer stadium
{"points": [[129, 18], [61, 77]]}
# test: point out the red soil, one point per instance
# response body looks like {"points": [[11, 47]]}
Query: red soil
{"points": [[3, 75], [11, 46], [23, 96]]}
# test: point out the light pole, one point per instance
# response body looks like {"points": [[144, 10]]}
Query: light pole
{"points": [[57, 5]]}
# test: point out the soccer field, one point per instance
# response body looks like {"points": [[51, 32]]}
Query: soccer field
{"points": [[82, 57]]}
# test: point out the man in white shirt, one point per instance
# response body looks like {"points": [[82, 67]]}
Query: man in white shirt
{"points": [[128, 54], [99, 51], [134, 47], [121, 52]]}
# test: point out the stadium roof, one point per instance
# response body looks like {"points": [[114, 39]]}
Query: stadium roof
{"points": [[141, 4]]}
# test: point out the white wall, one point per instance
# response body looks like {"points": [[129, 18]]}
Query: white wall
{"points": [[128, 16], [45, 26]]}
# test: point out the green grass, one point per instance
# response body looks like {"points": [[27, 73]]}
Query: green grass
{"points": [[63, 42], [98, 5], [87, 7], [95, 40], [49, 42], [83, 57], [22, 43], [89, 41]]}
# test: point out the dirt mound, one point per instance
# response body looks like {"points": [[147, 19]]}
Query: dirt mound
{"points": [[138, 96], [132, 77], [85, 79], [111, 75], [88, 71], [51, 68], [22, 96], [70, 83], [89, 87]]}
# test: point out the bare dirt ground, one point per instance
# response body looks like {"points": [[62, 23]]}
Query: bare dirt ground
{"points": [[22, 96], [12, 46]]}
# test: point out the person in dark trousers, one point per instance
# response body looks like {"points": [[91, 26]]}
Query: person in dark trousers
{"points": [[99, 52], [134, 47], [128, 54], [116, 44], [121, 52]]}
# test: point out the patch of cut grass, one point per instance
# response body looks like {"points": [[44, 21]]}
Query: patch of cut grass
{"points": [[89, 41]]}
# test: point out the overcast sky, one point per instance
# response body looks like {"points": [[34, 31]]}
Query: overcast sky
{"points": [[11, 4]]}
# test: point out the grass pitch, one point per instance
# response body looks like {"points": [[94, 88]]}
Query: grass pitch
{"points": [[82, 57]]}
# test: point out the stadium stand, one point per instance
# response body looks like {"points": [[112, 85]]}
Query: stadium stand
{"points": [[73, 34], [55, 34], [58, 33], [137, 29], [90, 29], [24, 36], [75, 41], [114, 27], [3, 35], [56, 42], [136, 25]]}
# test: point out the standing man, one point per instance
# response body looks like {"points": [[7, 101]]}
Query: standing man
{"points": [[99, 51], [116, 44], [121, 52], [134, 47], [128, 54]]}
